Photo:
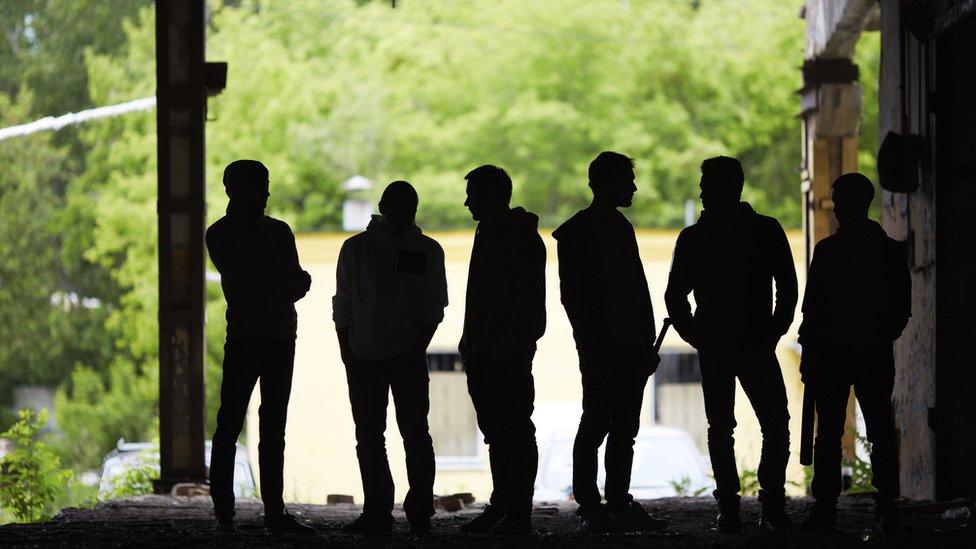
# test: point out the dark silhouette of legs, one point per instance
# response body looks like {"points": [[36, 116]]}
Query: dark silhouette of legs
{"points": [[370, 383], [613, 390], [761, 379], [245, 361], [503, 392]]}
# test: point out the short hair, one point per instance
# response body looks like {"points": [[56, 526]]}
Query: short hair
{"points": [[492, 177], [726, 169], [400, 192], [241, 173], [609, 164], [856, 187]]}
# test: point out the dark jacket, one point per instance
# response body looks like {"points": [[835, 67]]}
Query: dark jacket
{"points": [[260, 275], [730, 264], [858, 290], [505, 304], [601, 280]]}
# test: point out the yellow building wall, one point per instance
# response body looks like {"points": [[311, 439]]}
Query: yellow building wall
{"points": [[320, 457]]}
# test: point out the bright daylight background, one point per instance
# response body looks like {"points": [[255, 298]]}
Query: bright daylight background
{"points": [[325, 90]]}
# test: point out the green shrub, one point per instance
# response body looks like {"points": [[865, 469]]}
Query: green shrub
{"points": [[31, 478], [137, 480]]}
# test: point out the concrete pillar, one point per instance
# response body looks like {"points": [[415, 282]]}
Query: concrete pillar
{"points": [[180, 114]]}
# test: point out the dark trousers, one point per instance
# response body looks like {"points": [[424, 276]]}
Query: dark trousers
{"points": [[370, 383], [245, 361], [759, 373], [503, 393], [873, 379], [614, 377]]}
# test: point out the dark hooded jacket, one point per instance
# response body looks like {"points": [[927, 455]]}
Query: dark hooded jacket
{"points": [[601, 279], [505, 305], [259, 273], [730, 264], [858, 293]]}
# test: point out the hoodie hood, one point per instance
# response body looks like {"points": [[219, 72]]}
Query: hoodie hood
{"points": [[375, 230], [519, 217]]}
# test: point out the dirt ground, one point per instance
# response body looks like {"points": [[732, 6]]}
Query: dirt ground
{"points": [[161, 521]]}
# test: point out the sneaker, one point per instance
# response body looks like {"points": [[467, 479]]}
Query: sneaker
{"points": [[286, 524], [421, 526], [635, 519], [366, 524], [822, 518], [484, 522], [773, 518], [594, 519], [513, 524], [727, 521]]}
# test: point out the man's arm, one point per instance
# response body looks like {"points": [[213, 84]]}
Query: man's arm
{"points": [[784, 274], [433, 297], [571, 283], [901, 288], [294, 282], [342, 301], [529, 282], [680, 284]]}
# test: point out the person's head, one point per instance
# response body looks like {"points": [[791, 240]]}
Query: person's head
{"points": [[852, 194], [246, 183], [398, 205], [721, 183], [489, 191], [611, 177]]}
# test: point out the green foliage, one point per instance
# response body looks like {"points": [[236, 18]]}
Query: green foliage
{"points": [[748, 481], [137, 480], [682, 487], [31, 477], [860, 469], [93, 414]]}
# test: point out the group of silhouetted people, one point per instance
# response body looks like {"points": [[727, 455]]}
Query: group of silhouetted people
{"points": [[391, 291]]}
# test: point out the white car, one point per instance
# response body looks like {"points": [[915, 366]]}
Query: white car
{"points": [[666, 464], [130, 455]]}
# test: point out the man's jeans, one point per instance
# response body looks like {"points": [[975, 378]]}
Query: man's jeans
{"points": [[246, 361], [614, 376], [503, 393], [873, 379], [758, 371], [370, 383]]}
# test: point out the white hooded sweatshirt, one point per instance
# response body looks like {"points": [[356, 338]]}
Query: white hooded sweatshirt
{"points": [[385, 287]]}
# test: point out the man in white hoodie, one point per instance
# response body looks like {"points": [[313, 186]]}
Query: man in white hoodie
{"points": [[391, 292]]}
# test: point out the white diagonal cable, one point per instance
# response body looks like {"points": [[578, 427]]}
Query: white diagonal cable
{"points": [[58, 122]]}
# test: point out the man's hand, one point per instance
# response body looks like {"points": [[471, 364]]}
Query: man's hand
{"points": [[345, 351]]}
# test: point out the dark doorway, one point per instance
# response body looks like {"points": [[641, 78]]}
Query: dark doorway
{"points": [[956, 261]]}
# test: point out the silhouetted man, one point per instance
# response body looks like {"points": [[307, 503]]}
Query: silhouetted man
{"points": [[857, 303], [261, 279], [504, 316], [391, 292], [604, 291], [729, 259]]}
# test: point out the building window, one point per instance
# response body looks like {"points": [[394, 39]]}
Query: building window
{"points": [[453, 425], [677, 393]]}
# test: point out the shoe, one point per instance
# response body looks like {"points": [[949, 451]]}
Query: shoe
{"points": [[773, 518], [513, 524], [727, 521], [635, 519], [887, 516], [366, 524], [484, 522], [286, 524], [822, 518], [421, 526], [594, 519]]}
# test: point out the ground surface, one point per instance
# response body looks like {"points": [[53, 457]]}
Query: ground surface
{"points": [[158, 521]]}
